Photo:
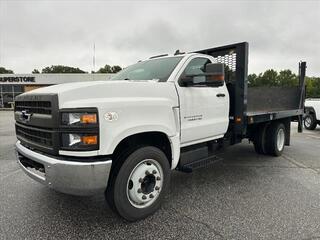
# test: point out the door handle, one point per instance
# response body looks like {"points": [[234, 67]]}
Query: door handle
{"points": [[220, 95]]}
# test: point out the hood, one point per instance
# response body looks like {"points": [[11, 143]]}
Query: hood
{"points": [[94, 93]]}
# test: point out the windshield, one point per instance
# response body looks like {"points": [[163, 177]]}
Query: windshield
{"points": [[159, 69]]}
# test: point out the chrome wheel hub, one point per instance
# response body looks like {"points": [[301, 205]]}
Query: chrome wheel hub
{"points": [[145, 183], [280, 139]]}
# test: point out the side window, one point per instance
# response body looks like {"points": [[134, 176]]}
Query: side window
{"points": [[196, 66]]}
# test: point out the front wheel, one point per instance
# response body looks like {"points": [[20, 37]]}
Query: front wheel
{"points": [[141, 183]]}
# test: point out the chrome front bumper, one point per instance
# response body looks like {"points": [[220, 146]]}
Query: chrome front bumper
{"points": [[71, 177]]}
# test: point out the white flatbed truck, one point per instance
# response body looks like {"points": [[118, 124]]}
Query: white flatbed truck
{"points": [[124, 136]]}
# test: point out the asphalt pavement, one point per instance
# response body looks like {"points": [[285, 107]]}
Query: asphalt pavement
{"points": [[243, 196]]}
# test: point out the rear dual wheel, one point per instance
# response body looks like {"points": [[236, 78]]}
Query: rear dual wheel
{"points": [[270, 139], [259, 142], [276, 138]]}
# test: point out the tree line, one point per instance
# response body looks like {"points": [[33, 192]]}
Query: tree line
{"points": [[284, 78], [66, 69], [271, 78]]}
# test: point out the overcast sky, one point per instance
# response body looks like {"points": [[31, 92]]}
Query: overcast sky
{"points": [[36, 34]]}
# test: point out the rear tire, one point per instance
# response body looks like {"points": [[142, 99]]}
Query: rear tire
{"points": [[259, 141], [276, 138], [310, 121], [140, 183]]}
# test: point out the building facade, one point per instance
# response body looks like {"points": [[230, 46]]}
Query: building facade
{"points": [[11, 85]]}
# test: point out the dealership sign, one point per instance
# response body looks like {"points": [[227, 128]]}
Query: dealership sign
{"points": [[22, 79], [47, 79]]}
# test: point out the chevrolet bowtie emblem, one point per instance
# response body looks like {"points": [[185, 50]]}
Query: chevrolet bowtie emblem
{"points": [[25, 116]]}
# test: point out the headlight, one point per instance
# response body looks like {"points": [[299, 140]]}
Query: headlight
{"points": [[76, 118], [79, 141], [79, 129]]}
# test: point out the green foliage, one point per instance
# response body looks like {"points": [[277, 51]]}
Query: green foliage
{"points": [[270, 78], [4, 70], [116, 69], [105, 69], [35, 71], [61, 69], [313, 87], [108, 69], [285, 78], [252, 80]]}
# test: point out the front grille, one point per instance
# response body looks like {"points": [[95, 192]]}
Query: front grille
{"points": [[41, 107], [37, 121], [38, 136]]}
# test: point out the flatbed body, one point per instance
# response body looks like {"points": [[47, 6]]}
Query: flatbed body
{"points": [[265, 116]]}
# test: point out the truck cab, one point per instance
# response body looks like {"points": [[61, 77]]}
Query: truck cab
{"points": [[124, 136]]}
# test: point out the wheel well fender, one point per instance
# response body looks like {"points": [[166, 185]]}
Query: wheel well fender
{"points": [[154, 138], [309, 110]]}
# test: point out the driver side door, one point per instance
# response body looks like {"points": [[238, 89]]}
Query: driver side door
{"points": [[204, 110]]}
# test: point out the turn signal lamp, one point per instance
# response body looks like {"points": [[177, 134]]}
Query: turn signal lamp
{"points": [[89, 140], [88, 118]]}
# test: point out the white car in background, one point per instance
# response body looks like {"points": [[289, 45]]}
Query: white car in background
{"points": [[312, 113]]}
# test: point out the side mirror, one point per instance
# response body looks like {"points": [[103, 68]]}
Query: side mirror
{"points": [[213, 75]]}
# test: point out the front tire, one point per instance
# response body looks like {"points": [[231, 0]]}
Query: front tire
{"points": [[141, 183], [310, 121]]}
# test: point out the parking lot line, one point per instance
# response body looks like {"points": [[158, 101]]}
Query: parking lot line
{"points": [[299, 164]]}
